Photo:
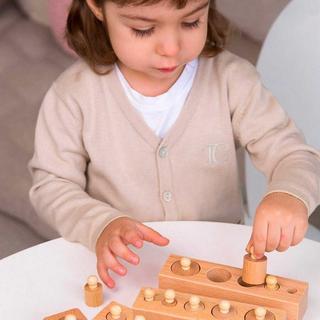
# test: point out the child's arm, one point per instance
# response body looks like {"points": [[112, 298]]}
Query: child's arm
{"points": [[278, 149], [59, 167], [112, 244], [281, 221]]}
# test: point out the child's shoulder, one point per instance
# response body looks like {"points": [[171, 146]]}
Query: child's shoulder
{"points": [[236, 75], [230, 64], [77, 79]]}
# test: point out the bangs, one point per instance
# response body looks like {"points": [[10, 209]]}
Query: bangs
{"points": [[178, 4]]}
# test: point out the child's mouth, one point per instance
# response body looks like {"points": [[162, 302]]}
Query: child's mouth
{"points": [[167, 69]]}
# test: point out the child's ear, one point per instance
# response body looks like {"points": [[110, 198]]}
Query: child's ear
{"points": [[97, 11]]}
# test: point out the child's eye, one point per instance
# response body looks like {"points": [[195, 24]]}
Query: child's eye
{"points": [[191, 25], [142, 33], [148, 32]]}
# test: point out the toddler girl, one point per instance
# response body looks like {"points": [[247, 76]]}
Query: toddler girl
{"points": [[146, 127]]}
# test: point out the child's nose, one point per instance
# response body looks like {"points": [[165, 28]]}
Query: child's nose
{"points": [[169, 45]]}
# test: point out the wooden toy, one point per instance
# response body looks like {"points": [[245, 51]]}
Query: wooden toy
{"points": [[70, 317], [254, 270], [192, 289], [225, 282], [272, 283], [72, 314], [115, 311], [93, 292], [173, 305]]}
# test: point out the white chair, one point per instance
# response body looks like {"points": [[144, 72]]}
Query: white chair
{"points": [[289, 64]]}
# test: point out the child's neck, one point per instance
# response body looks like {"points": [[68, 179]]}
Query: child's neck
{"points": [[146, 85]]}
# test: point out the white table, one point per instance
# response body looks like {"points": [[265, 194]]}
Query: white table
{"points": [[49, 277]]}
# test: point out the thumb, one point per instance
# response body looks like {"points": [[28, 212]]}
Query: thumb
{"points": [[250, 244], [152, 236]]}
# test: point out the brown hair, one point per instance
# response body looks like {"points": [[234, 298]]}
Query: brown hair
{"points": [[97, 50]]}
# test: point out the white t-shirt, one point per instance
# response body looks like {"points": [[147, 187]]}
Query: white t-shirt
{"points": [[161, 112]]}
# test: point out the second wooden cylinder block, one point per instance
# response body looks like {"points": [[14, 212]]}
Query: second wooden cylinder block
{"points": [[254, 270]]}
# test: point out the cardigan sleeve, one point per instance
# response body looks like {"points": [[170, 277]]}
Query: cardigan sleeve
{"points": [[58, 169], [274, 143]]}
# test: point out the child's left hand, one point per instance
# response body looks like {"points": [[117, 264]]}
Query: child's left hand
{"points": [[281, 221]]}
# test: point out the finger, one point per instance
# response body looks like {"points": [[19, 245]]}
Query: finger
{"points": [[273, 237], [298, 234], [250, 243], [104, 274], [153, 236], [119, 249], [286, 238], [260, 231], [133, 236], [112, 263]]}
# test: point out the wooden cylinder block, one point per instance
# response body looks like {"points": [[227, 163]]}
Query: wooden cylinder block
{"points": [[254, 270], [252, 315], [70, 317], [217, 314], [185, 267], [93, 297]]}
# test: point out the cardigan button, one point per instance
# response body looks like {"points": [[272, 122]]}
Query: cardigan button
{"points": [[167, 196], [163, 152]]}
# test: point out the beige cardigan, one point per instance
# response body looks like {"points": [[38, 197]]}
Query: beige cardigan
{"points": [[95, 159]]}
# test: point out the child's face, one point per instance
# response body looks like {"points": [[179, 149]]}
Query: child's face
{"points": [[148, 38]]}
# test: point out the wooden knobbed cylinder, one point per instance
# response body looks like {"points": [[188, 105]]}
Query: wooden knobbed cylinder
{"points": [[70, 317], [254, 270], [93, 292]]}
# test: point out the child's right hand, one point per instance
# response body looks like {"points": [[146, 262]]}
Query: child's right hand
{"points": [[113, 244]]}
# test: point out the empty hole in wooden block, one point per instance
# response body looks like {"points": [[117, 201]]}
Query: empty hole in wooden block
{"points": [[292, 290], [251, 316], [218, 275], [187, 307], [215, 311], [177, 269]]}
